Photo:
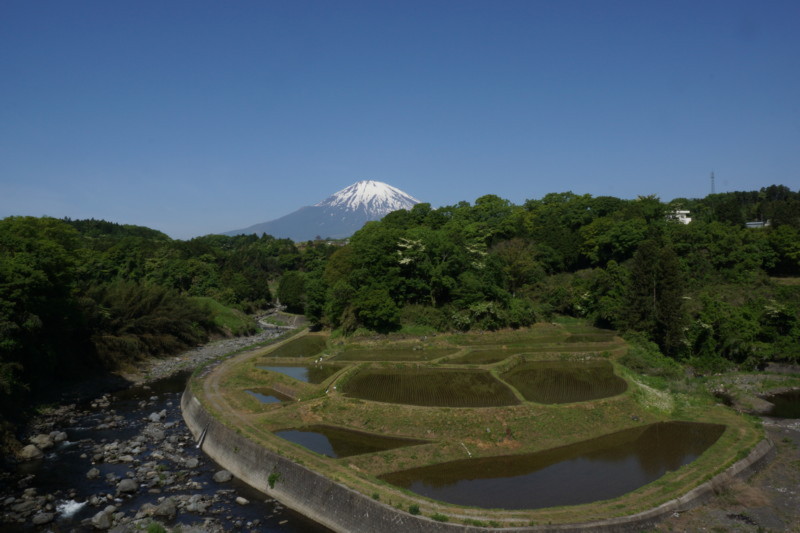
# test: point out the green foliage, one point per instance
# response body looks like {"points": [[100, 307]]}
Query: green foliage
{"points": [[155, 527], [273, 478], [654, 299], [413, 509], [644, 357], [75, 295], [131, 320], [292, 291], [228, 321]]}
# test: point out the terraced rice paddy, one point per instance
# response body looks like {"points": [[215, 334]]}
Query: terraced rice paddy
{"points": [[400, 354], [268, 396], [337, 442], [588, 471], [506, 418], [308, 373], [432, 387], [553, 382], [305, 346], [485, 356]]}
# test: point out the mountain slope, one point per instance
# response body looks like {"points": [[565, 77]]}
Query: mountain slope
{"points": [[338, 216]]}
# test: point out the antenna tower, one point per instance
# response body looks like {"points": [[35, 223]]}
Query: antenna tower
{"points": [[713, 191]]}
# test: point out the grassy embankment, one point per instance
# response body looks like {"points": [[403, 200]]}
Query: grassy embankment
{"points": [[484, 431]]}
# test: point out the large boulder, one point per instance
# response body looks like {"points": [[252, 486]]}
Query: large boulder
{"points": [[42, 441], [223, 476], [127, 486], [30, 452], [167, 509], [40, 519], [102, 520], [58, 436]]}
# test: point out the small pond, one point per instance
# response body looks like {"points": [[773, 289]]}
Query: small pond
{"points": [[593, 470], [553, 382], [430, 387], [786, 404], [309, 373], [337, 442], [268, 396]]}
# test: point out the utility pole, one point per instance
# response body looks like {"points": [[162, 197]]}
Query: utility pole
{"points": [[712, 183]]}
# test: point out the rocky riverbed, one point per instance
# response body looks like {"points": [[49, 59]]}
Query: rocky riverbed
{"points": [[125, 460]]}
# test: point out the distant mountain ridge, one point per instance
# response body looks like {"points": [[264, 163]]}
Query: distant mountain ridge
{"points": [[338, 216]]}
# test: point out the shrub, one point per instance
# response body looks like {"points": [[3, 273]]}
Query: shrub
{"points": [[155, 527], [273, 478], [644, 357]]}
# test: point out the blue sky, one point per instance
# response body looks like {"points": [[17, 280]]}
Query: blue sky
{"points": [[198, 117]]}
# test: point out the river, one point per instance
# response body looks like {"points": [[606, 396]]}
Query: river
{"points": [[136, 434]]}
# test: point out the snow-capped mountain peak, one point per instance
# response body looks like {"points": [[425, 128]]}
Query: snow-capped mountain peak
{"points": [[337, 217], [375, 198]]}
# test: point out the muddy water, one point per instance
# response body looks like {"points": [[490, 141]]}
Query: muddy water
{"points": [[585, 472]]}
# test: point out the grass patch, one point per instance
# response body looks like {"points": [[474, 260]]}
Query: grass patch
{"points": [[231, 322]]}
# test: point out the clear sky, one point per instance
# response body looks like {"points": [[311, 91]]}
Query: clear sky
{"points": [[197, 117]]}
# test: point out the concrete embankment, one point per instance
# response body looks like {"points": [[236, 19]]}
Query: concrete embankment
{"points": [[343, 509]]}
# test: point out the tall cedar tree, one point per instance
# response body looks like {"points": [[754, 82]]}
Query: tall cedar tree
{"points": [[655, 296]]}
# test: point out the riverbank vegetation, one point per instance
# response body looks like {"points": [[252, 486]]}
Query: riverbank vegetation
{"points": [[714, 294]]}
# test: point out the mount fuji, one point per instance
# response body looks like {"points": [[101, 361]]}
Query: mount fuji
{"points": [[338, 216]]}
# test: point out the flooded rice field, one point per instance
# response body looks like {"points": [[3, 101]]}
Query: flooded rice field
{"points": [[554, 382], [305, 346], [337, 442], [593, 470], [315, 374], [431, 387]]}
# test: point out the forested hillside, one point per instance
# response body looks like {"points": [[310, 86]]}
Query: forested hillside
{"points": [[81, 295], [78, 296], [711, 293]]}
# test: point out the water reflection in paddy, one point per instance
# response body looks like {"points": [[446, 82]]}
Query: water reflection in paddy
{"points": [[310, 373], [337, 442], [268, 396], [597, 469]]}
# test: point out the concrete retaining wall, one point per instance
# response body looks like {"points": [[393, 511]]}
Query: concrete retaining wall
{"points": [[343, 509]]}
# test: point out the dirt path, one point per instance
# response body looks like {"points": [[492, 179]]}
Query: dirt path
{"points": [[215, 399]]}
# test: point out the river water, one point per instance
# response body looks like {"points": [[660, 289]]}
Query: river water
{"points": [[163, 467]]}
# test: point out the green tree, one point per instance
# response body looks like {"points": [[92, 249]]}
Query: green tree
{"points": [[655, 296], [292, 291]]}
